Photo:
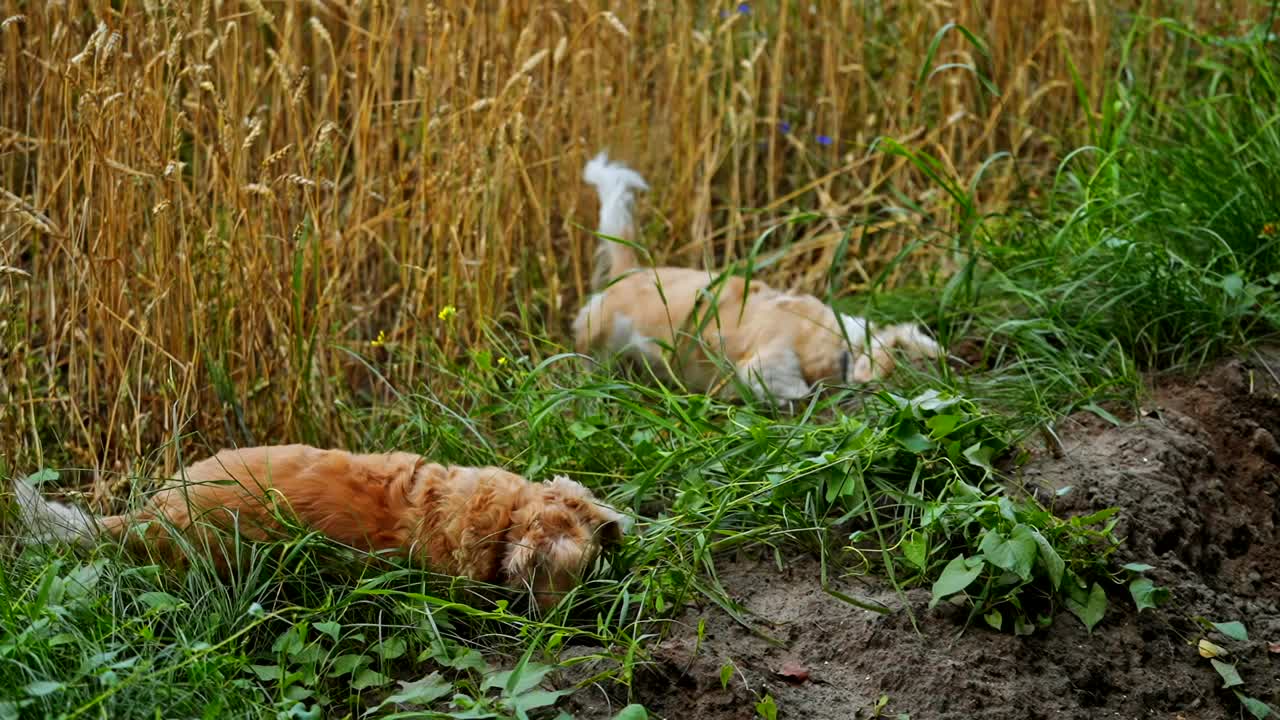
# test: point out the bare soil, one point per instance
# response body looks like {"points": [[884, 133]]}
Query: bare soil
{"points": [[1196, 474]]}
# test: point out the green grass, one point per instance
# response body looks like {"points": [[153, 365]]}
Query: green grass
{"points": [[1155, 249], [914, 478]]}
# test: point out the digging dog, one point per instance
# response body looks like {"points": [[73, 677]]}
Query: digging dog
{"points": [[483, 523], [780, 345]]}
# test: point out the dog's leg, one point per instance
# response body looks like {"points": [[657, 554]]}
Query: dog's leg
{"points": [[44, 521], [774, 373], [588, 326]]}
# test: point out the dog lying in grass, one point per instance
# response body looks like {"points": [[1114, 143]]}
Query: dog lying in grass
{"points": [[483, 523], [780, 345]]}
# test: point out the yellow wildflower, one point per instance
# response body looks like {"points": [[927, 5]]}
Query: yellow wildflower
{"points": [[380, 340], [447, 312]]}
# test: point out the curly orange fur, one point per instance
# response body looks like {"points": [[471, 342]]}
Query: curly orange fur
{"points": [[484, 523]]}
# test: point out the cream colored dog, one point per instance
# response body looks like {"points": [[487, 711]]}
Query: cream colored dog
{"points": [[483, 523], [779, 345]]}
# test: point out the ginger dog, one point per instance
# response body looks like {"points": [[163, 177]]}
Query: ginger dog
{"points": [[483, 523], [780, 345]]}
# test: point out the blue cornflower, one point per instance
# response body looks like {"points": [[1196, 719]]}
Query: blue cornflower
{"points": [[744, 8], [825, 140], [785, 127]]}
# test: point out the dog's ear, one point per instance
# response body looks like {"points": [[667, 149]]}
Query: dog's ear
{"points": [[610, 533], [613, 527], [607, 525]]}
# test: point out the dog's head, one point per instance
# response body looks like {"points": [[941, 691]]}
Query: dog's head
{"points": [[864, 357], [868, 357], [556, 535]]}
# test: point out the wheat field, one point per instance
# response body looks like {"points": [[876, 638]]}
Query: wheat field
{"points": [[225, 221]]}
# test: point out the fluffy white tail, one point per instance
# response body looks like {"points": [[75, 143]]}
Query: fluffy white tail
{"points": [[44, 521], [614, 183]]}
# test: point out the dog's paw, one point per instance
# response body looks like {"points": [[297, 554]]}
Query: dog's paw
{"points": [[875, 365], [775, 375]]}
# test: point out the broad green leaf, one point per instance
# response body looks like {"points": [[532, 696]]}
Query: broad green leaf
{"points": [[1017, 553], [1025, 549], [915, 548], [581, 430], [1233, 630], [1053, 563], [308, 654], [479, 711], [538, 699], [41, 477], [160, 601], [1232, 285], [467, 659], [767, 709], [41, 688], [289, 642], [270, 673], [941, 426], [1146, 594], [965, 492], [300, 711], [1230, 676], [994, 619], [84, 578], [391, 648], [909, 437], [419, 692], [1091, 610], [328, 628], [726, 674], [1256, 708], [347, 664], [368, 678], [956, 576], [1096, 517], [980, 455], [1022, 626], [632, 712], [530, 675], [931, 400], [1138, 567], [842, 487], [93, 662]]}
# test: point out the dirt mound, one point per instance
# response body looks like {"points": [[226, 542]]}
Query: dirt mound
{"points": [[1197, 478]]}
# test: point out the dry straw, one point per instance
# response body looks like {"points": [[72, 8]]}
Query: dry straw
{"points": [[214, 198]]}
